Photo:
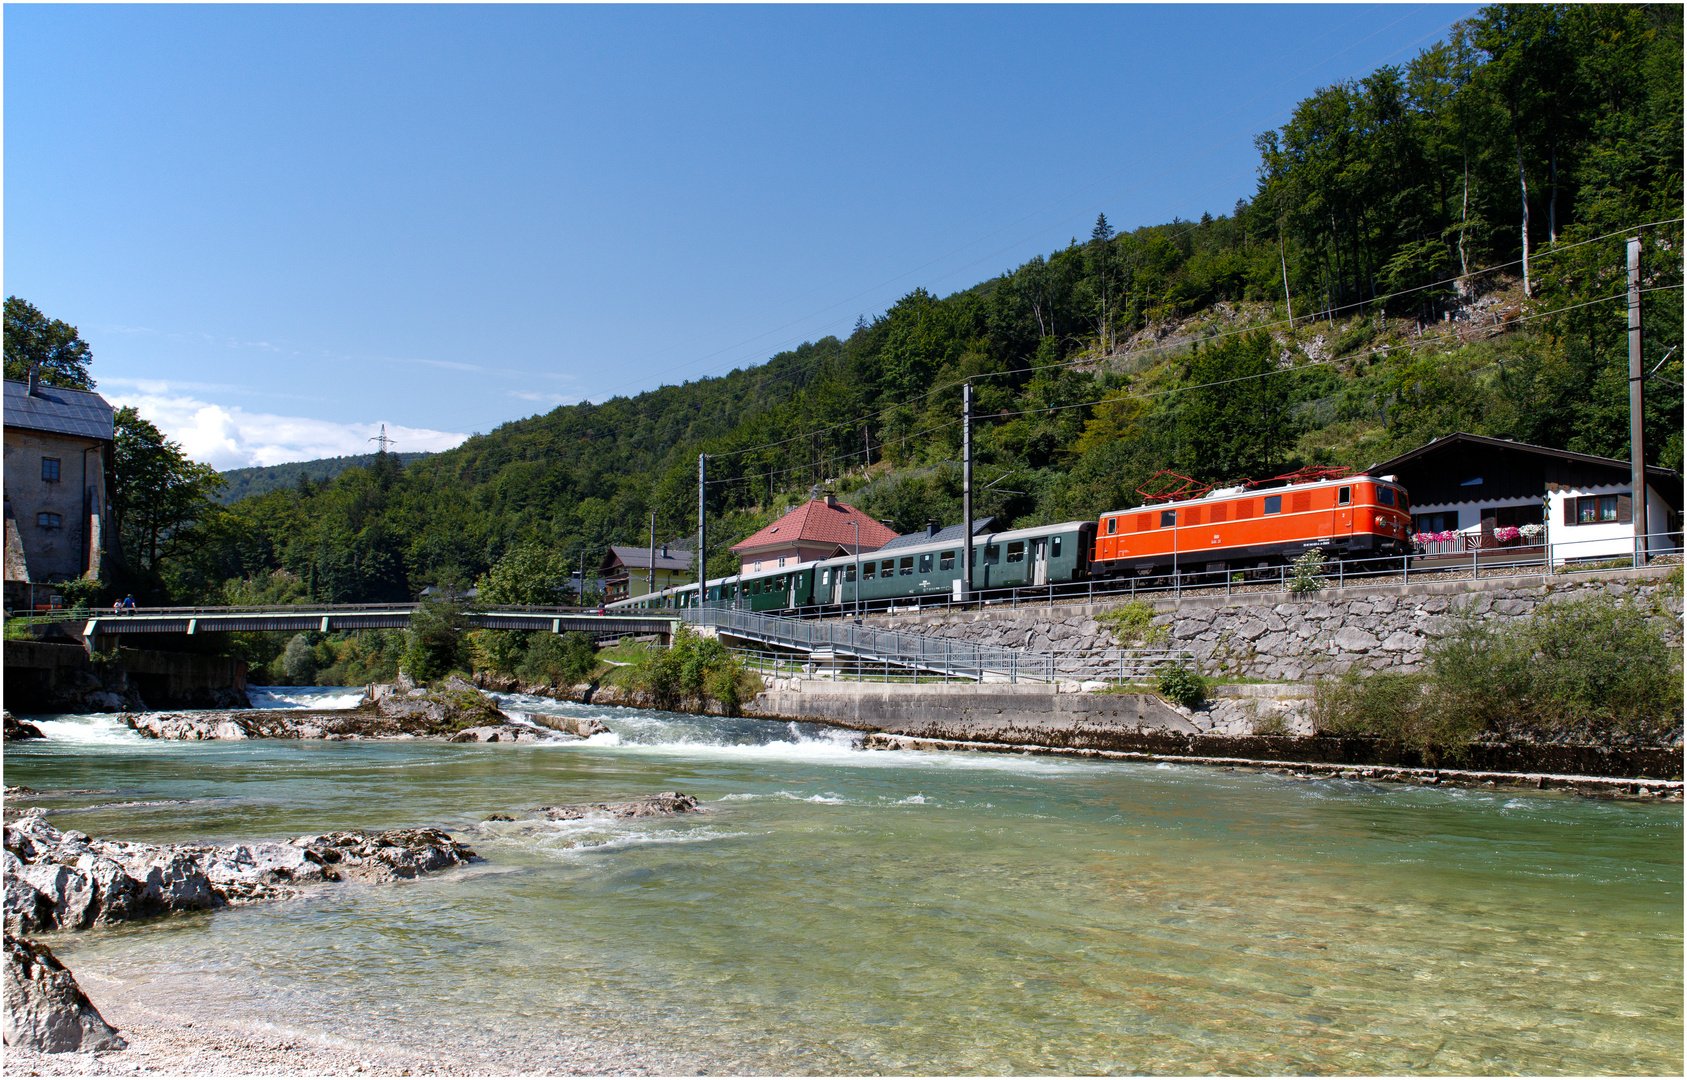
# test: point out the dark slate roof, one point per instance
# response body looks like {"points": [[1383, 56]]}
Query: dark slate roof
{"points": [[638, 558], [956, 533], [57, 410]]}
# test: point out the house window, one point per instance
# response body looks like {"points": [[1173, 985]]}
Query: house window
{"points": [[925, 563], [781, 560], [946, 561], [1600, 509], [1168, 518], [48, 521], [1513, 516], [1273, 504], [50, 469], [1016, 551], [757, 567], [1446, 521]]}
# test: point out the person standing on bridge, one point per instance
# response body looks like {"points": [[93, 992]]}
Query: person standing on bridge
{"points": [[129, 604]]}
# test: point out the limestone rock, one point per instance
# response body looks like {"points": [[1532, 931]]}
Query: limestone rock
{"points": [[663, 805], [46, 1011], [385, 856], [67, 881]]}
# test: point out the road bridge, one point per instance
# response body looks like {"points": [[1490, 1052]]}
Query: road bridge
{"points": [[96, 630]]}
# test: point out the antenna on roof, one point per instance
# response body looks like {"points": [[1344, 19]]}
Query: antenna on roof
{"points": [[382, 441]]}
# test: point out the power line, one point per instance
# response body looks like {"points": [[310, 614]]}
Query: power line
{"points": [[1560, 249]]}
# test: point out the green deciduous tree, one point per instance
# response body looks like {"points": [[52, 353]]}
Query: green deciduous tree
{"points": [[33, 339], [164, 503], [1235, 420], [532, 574]]}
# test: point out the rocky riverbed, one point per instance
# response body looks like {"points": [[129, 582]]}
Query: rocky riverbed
{"points": [[455, 711], [59, 881]]}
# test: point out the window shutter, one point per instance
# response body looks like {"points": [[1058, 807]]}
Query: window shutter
{"points": [[1625, 509], [1569, 510]]}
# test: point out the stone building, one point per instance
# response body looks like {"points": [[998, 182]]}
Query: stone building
{"points": [[819, 529], [59, 453]]}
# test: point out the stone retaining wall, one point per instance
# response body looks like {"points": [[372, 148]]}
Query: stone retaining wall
{"points": [[1275, 638]]}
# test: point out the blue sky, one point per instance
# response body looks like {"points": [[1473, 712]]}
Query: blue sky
{"points": [[279, 227]]}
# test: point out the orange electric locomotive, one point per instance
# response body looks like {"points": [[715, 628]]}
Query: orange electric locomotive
{"points": [[1252, 525]]}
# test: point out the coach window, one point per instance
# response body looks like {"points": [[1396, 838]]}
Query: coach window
{"points": [[1344, 496], [925, 563], [849, 572], [1112, 526], [1168, 518], [1385, 496], [1273, 504], [992, 554], [946, 561], [826, 576], [907, 566], [887, 568], [1016, 551], [1054, 548]]}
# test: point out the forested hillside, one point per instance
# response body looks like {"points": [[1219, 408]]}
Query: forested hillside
{"points": [[259, 479], [1435, 247]]}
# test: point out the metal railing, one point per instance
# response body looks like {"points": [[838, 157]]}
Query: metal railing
{"points": [[915, 652], [1568, 557], [1115, 666]]}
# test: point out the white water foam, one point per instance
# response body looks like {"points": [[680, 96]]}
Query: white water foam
{"points": [[92, 729], [304, 697]]}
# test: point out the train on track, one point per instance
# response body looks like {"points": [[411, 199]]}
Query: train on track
{"points": [[1182, 528]]}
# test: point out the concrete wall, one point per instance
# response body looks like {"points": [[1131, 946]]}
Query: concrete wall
{"points": [[49, 677], [1283, 638], [1032, 719]]}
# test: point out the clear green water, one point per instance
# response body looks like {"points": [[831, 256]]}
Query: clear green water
{"points": [[842, 911]]}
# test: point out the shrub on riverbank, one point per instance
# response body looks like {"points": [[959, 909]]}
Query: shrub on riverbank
{"points": [[1132, 624], [1585, 671], [694, 670], [558, 661]]}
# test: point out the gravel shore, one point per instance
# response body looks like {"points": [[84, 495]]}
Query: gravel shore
{"points": [[170, 1045]]}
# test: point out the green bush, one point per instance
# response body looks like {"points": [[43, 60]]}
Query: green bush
{"points": [[501, 651], [297, 664], [1578, 671], [1179, 683], [559, 661], [695, 669], [436, 643], [1306, 572], [1133, 624]]}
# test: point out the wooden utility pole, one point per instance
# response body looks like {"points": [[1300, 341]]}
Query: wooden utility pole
{"points": [[1636, 406], [966, 490]]}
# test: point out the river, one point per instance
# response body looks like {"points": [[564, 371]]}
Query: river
{"points": [[842, 911]]}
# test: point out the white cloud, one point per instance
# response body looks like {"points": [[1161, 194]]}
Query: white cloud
{"points": [[229, 437], [545, 399]]}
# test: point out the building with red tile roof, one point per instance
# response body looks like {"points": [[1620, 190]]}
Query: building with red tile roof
{"points": [[819, 529]]}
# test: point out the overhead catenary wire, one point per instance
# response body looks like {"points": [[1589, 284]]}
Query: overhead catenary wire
{"points": [[1267, 326], [1148, 394]]}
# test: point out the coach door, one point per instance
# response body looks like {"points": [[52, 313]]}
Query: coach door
{"points": [[1039, 561]]}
